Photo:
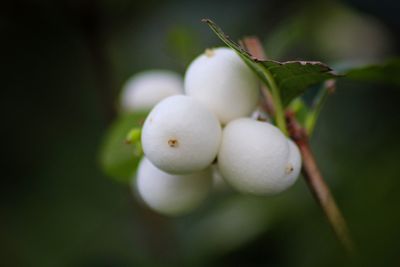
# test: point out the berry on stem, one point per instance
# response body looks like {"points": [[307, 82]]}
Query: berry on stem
{"points": [[181, 136], [293, 166], [145, 89], [221, 81], [172, 194], [254, 156]]}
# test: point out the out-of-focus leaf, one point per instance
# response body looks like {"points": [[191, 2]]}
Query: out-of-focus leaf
{"points": [[118, 159], [229, 225], [292, 77], [300, 109], [388, 73], [183, 43]]}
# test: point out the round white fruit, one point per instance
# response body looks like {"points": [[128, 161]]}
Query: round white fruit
{"points": [[253, 157], [172, 194], [181, 136], [223, 83], [293, 166], [145, 89]]}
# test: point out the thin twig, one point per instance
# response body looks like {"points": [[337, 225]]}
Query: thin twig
{"points": [[317, 184], [310, 169]]}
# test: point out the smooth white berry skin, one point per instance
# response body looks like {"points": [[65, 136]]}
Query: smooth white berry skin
{"points": [[293, 167], [253, 157], [145, 89], [223, 83], [181, 136], [172, 194]]}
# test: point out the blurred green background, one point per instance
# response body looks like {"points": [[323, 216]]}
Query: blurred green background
{"points": [[63, 64]]}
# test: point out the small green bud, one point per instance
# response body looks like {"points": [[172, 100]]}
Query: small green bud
{"points": [[133, 136]]}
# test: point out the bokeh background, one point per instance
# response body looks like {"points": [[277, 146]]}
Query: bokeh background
{"points": [[62, 66]]}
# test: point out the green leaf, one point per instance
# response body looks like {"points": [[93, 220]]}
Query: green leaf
{"points": [[295, 77], [119, 159], [292, 78], [388, 73], [299, 107]]}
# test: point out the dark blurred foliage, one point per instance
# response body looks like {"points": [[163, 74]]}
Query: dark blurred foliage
{"points": [[62, 65]]}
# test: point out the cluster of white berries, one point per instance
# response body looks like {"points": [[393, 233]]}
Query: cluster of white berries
{"points": [[144, 90], [184, 135]]}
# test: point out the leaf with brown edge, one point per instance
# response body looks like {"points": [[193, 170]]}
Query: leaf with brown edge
{"points": [[293, 78]]}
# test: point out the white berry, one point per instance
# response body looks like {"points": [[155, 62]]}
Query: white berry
{"points": [[223, 83], [181, 136], [145, 89], [293, 167], [172, 194], [253, 157]]}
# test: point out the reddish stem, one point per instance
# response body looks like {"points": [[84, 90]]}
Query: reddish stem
{"points": [[317, 184], [310, 169]]}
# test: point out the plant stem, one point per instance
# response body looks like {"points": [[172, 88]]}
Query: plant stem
{"points": [[279, 112], [310, 169], [317, 184], [273, 98]]}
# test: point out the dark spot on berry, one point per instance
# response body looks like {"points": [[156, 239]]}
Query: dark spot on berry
{"points": [[173, 142], [289, 169], [209, 53]]}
